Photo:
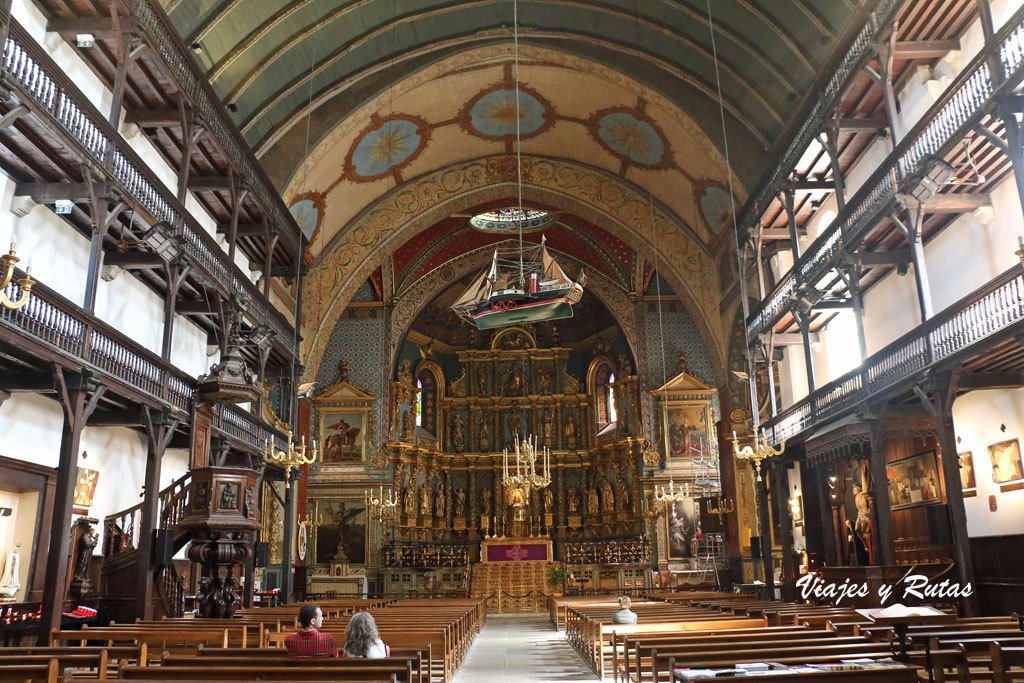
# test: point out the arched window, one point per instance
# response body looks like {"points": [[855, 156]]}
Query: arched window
{"points": [[610, 399], [419, 404]]}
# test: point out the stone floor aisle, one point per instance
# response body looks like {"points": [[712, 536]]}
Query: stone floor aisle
{"points": [[522, 647]]}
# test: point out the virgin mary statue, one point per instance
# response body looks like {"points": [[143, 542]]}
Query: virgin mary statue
{"points": [[9, 583]]}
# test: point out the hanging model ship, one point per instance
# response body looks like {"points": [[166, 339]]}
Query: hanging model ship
{"points": [[521, 288]]}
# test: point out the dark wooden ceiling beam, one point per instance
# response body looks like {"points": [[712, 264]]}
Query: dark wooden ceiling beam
{"points": [[49, 193], [134, 259], [811, 185], [244, 229], [992, 380], [924, 49], [860, 125], [222, 183], [27, 382], [101, 28], [154, 118], [194, 308], [126, 417], [884, 258], [957, 203]]}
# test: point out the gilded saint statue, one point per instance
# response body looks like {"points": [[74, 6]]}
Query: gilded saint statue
{"points": [[410, 500], [515, 382], [592, 504], [549, 501], [460, 502], [425, 499], [574, 500], [485, 501], [405, 371], [607, 498], [545, 381], [458, 433], [625, 366], [484, 443], [549, 419], [483, 374], [442, 503], [570, 432], [514, 426], [622, 491]]}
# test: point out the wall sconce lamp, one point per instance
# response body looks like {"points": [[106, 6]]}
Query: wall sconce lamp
{"points": [[161, 239], [7, 262]]}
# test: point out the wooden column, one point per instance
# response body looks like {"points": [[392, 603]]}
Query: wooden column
{"points": [[290, 509], [881, 517], [763, 513], [937, 394], [827, 523], [785, 528], [159, 430], [78, 394]]}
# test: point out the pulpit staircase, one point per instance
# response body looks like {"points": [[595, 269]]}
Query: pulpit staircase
{"points": [[121, 535]]}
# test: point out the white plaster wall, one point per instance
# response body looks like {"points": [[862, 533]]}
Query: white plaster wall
{"points": [[977, 420], [119, 455], [31, 425]]}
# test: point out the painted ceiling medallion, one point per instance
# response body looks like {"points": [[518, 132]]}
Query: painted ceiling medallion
{"points": [[631, 136], [507, 220], [492, 113], [308, 211], [715, 207], [385, 146]]}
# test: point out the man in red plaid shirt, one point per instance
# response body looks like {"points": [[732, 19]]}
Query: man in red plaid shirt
{"points": [[308, 642]]}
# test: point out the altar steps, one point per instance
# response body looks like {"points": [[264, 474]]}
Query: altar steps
{"points": [[512, 586]]}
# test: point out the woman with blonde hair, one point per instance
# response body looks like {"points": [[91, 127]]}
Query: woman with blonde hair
{"points": [[362, 639]]}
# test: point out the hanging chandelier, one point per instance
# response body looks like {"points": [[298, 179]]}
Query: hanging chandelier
{"points": [[525, 477], [291, 459], [758, 452]]}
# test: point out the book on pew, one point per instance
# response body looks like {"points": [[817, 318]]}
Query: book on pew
{"points": [[899, 611]]}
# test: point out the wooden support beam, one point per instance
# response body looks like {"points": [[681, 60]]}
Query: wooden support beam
{"points": [[27, 382], [861, 125], [127, 417], [924, 49], [243, 229], [155, 118], [133, 259], [100, 27], [780, 233], [793, 339], [199, 307], [834, 305], [884, 258], [49, 193], [811, 185], [992, 380], [213, 183], [957, 203]]}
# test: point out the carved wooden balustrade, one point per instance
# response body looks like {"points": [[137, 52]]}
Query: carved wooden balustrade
{"points": [[43, 87], [633, 551], [859, 52], [160, 33], [974, 94], [995, 309]]}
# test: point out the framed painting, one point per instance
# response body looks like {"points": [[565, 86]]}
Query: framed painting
{"points": [[85, 486], [967, 480], [1006, 461], [688, 407], [683, 529], [343, 425], [914, 481], [341, 537]]}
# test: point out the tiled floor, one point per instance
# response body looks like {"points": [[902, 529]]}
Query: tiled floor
{"points": [[522, 647]]}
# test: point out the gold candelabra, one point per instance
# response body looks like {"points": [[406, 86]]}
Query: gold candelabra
{"points": [[672, 494], [724, 507], [7, 262], [526, 478], [758, 452], [654, 510], [291, 459], [380, 507]]}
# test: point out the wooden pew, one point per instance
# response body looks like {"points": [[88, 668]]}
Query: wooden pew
{"points": [[419, 657], [402, 666], [49, 672], [303, 670], [1004, 659], [902, 674], [114, 655], [90, 663]]}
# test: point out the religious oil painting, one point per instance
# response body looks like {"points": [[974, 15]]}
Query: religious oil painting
{"points": [[684, 530], [967, 481], [687, 432], [914, 481], [85, 486], [342, 535], [342, 438], [1006, 462]]}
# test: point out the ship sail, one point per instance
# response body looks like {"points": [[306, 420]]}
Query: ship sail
{"points": [[552, 273], [475, 293]]}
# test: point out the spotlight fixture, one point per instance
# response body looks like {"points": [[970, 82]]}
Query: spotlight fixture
{"points": [[163, 241], [924, 184], [805, 298], [261, 336], [85, 39]]}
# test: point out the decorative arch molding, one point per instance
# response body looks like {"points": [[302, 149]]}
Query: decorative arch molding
{"points": [[416, 298], [599, 198]]}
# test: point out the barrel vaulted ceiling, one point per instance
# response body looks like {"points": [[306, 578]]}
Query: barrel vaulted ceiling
{"points": [[385, 123]]}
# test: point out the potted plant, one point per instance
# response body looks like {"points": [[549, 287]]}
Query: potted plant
{"points": [[556, 576]]}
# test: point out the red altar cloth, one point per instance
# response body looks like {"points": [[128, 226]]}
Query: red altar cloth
{"points": [[517, 552]]}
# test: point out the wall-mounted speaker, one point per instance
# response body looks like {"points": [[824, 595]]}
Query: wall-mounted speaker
{"points": [[163, 546], [262, 554], [755, 547]]}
